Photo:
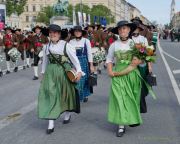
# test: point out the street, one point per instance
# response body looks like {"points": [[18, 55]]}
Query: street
{"points": [[19, 123]]}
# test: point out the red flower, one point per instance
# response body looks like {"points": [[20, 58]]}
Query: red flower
{"points": [[92, 43], [38, 44], [111, 40]]}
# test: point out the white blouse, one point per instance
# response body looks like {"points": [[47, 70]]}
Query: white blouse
{"points": [[116, 46], [140, 39], [58, 48], [81, 43]]}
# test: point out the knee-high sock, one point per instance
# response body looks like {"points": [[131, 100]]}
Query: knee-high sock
{"points": [[28, 61], [51, 124], [67, 115], [15, 63], [8, 65], [36, 71]]}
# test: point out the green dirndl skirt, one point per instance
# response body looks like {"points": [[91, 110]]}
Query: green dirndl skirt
{"points": [[56, 94], [124, 101]]}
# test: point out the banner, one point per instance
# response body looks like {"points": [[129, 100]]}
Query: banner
{"points": [[80, 19], [89, 19], [84, 19], [74, 17], [2, 16]]}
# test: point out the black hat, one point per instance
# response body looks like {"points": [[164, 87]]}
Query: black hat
{"points": [[136, 19], [91, 25], [17, 30], [36, 27], [77, 28], [8, 28], [124, 23], [140, 26], [99, 26], [54, 27]]}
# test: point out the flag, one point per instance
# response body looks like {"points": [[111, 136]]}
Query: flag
{"points": [[74, 17], [80, 19]]}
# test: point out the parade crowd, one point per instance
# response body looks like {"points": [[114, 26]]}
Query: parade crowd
{"points": [[73, 58]]}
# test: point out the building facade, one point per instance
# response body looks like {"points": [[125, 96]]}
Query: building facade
{"points": [[173, 5], [176, 21]]}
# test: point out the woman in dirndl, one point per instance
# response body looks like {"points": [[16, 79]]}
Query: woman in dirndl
{"points": [[124, 101], [57, 94], [145, 68], [84, 54]]}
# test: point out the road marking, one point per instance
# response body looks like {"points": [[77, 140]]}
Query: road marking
{"points": [[173, 81], [170, 56], [176, 71], [12, 117]]}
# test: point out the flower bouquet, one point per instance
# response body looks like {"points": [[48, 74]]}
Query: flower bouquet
{"points": [[14, 54], [145, 53]]}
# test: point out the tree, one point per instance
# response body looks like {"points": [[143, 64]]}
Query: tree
{"points": [[15, 6], [70, 12], [102, 11], [45, 15]]}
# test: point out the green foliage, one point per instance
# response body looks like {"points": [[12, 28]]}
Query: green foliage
{"points": [[98, 10], [70, 12], [45, 15], [15, 6], [102, 11]]}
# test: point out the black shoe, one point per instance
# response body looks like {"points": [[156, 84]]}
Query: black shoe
{"points": [[8, 72], [105, 67], [99, 71], [24, 67], [32, 64], [35, 78], [49, 131], [15, 69], [134, 125], [67, 121], [27, 66], [120, 134], [85, 100], [1, 74]]}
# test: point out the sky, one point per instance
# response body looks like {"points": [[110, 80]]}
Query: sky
{"points": [[158, 10]]}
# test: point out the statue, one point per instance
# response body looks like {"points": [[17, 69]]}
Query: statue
{"points": [[61, 7]]}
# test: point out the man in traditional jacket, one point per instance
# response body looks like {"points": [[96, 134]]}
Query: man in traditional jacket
{"points": [[38, 41], [10, 40], [20, 47]]}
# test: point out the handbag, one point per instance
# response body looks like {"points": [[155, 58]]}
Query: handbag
{"points": [[92, 80], [151, 79], [69, 70]]}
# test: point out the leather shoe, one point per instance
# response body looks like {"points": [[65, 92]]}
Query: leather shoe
{"points": [[8, 72], [35, 78], [67, 121], [120, 133], [85, 100], [49, 131]]}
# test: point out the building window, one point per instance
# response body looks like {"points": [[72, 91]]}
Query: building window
{"points": [[34, 18], [27, 8], [27, 18], [34, 8]]}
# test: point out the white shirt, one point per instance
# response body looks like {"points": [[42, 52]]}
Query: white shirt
{"points": [[116, 46], [140, 39], [59, 49], [81, 43]]}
